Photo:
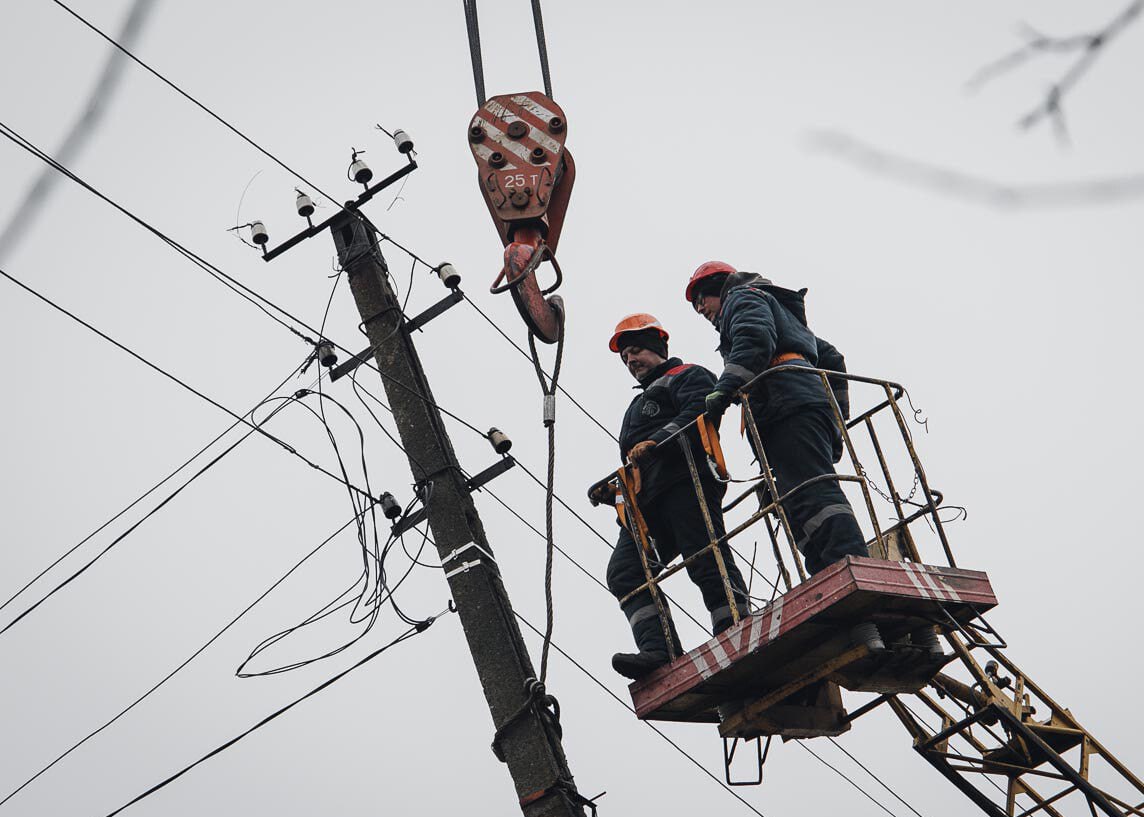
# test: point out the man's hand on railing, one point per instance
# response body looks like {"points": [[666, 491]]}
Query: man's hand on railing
{"points": [[640, 451], [717, 403]]}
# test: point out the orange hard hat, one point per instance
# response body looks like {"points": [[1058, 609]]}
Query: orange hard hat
{"points": [[706, 270], [635, 323]]}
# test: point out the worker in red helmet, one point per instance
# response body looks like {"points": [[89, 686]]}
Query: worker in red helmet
{"points": [[758, 331], [671, 395]]}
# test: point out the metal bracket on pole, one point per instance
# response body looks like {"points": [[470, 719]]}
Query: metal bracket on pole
{"points": [[414, 323], [473, 483]]}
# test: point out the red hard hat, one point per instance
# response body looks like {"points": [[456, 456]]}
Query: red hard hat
{"points": [[706, 270], [634, 323]]}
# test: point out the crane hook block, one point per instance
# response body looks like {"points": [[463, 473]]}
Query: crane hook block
{"points": [[525, 175]]}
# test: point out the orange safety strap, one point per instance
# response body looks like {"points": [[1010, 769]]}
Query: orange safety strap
{"points": [[709, 436], [630, 476]]}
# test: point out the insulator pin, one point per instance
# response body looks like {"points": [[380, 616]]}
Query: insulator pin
{"points": [[389, 506], [500, 441], [403, 142], [327, 356], [304, 204], [449, 275], [360, 172]]}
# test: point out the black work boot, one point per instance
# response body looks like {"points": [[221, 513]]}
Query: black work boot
{"points": [[652, 647], [724, 622]]}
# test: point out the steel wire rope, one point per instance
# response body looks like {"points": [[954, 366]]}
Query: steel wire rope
{"points": [[416, 629], [479, 79], [549, 390], [650, 725], [286, 446], [541, 47], [486, 489], [233, 284], [603, 586], [561, 389], [473, 30], [184, 663]]}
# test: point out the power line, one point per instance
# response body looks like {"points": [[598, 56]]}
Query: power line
{"points": [[126, 533], [170, 84], [881, 782], [231, 283], [650, 725], [416, 629], [561, 389], [188, 660], [290, 449], [133, 503]]}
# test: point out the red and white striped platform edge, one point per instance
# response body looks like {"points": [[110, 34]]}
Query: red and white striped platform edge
{"points": [[962, 592]]}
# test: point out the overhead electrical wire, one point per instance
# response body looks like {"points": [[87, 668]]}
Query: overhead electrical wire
{"points": [[290, 449], [470, 8], [184, 663], [233, 284], [76, 574], [416, 629], [136, 501]]}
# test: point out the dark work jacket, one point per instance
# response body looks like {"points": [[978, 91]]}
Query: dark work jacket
{"points": [[828, 355], [755, 327], [671, 396]]}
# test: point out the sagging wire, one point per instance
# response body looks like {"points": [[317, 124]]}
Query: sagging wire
{"points": [[414, 629], [375, 589]]}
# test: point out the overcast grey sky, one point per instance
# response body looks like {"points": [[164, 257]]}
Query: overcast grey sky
{"points": [[692, 126]]}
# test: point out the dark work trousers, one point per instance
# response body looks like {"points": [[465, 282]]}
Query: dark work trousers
{"points": [[676, 524], [799, 447]]}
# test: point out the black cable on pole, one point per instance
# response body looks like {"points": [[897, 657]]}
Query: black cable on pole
{"points": [[417, 629], [473, 29], [186, 661], [290, 449], [542, 47], [650, 725]]}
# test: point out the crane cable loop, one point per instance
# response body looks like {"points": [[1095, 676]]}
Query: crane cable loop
{"points": [[540, 703], [548, 387]]}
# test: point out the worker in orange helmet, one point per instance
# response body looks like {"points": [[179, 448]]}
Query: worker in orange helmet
{"points": [[671, 395], [762, 326]]}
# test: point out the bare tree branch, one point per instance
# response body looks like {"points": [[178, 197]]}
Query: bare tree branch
{"points": [[1089, 46], [957, 184]]}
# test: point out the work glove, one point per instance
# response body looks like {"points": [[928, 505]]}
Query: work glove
{"points": [[602, 494], [717, 403], [640, 451]]}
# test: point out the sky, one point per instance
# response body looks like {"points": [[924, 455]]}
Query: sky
{"points": [[698, 132]]}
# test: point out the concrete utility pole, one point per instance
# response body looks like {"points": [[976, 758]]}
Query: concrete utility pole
{"points": [[530, 745]]}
